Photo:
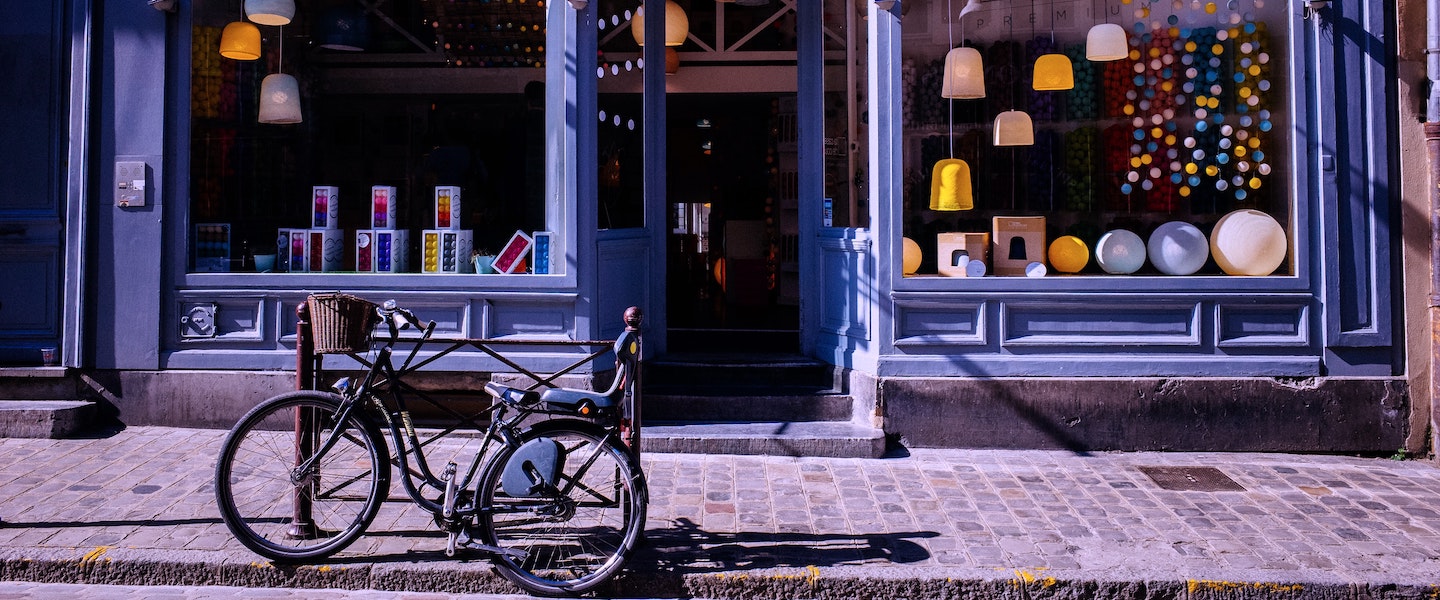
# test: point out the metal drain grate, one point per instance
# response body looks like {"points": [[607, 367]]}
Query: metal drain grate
{"points": [[1191, 479]]}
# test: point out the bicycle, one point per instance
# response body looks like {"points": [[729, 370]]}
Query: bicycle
{"points": [[557, 503]]}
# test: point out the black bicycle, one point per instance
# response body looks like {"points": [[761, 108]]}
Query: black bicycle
{"points": [[553, 494]]}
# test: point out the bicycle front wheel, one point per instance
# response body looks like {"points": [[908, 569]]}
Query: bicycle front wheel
{"points": [[575, 534], [283, 511]]}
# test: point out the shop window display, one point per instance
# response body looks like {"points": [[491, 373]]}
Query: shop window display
{"points": [[1167, 162], [419, 145]]}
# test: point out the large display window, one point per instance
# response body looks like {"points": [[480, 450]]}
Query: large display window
{"points": [[403, 137], [1125, 138]]}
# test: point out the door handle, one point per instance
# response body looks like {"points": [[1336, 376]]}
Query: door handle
{"points": [[12, 230]]}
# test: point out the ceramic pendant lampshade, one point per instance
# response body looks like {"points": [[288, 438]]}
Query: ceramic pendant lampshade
{"points": [[270, 12], [343, 28], [240, 41], [1107, 41], [1014, 128], [1053, 72], [950, 186], [279, 99], [964, 74]]}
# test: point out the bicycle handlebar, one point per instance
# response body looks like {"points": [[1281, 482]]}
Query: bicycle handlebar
{"points": [[400, 318]]}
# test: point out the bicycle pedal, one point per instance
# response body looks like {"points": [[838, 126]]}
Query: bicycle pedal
{"points": [[518, 555]]}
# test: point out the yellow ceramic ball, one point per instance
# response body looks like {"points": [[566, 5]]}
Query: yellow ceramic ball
{"points": [[911, 261], [1068, 254]]}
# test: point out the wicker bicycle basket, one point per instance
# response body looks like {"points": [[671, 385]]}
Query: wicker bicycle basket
{"points": [[341, 323]]}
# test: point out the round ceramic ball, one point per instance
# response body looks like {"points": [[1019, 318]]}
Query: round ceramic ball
{"points": [[1120, 252], [911, 261], [1178, 248], [1068, 254], [1248, 242]]}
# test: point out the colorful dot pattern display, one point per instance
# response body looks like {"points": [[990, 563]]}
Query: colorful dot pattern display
{"points": [[1080, 102], [1081, 151], [1196, 105]]}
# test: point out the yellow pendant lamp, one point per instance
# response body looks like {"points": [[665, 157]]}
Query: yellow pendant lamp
{"points": [[240, 41], [1053, 72], [950, 186], [964, 78], [1014, 128]]}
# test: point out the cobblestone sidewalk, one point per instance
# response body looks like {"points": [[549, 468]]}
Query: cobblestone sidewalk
{"points": [[137, 507]]}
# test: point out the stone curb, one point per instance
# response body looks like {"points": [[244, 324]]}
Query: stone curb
{"points": [[126, 566]]}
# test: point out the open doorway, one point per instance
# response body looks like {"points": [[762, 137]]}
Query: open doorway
{"points": [[733, 280]]}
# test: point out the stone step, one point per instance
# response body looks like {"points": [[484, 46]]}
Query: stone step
{"points": [[838, 439], [698, 373], [769, 405], [37, 383], [44, 418]]}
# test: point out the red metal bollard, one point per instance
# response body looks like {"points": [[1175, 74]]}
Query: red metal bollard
{"points": [[302, 522]]}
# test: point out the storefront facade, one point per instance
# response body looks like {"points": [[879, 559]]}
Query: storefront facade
{"points": [[781, 179]]}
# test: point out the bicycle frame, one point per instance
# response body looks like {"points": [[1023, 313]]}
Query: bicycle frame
{"points": [[503, 428]]}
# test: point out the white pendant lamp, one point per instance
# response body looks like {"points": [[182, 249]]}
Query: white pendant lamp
{"points": [[1014, 128], [964, 74], [1106, 42], [279, 99], [677, 25], [270, 12], [280, 94]]}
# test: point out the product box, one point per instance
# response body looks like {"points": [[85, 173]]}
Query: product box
{"points": [[447, 207], [382, 206], [212, 247], [511, 258], [390, 250], [955, 252], [446, 251], [291, 250], [325, 250], [1017, 242], [365, 251], [381, 250], [540, 253], [325, 203]]}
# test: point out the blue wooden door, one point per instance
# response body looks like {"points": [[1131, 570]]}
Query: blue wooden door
{"points": [[33, 169]]}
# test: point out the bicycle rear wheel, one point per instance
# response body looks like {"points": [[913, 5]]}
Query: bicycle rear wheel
{"points": [[289, 516], [576, 535]]}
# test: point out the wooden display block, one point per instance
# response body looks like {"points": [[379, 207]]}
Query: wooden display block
{"points": [[1017, 242], [954, 251]]}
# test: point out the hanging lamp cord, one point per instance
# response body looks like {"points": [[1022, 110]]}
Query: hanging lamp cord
{"points": [[950, 102]]}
